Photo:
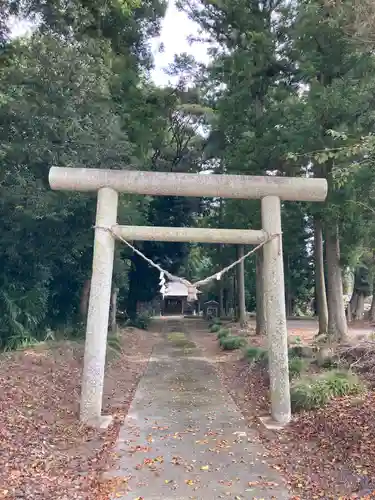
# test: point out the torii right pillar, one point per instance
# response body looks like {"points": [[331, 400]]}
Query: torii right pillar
{"points": [[275, 314]]}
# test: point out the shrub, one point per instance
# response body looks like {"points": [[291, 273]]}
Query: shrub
{"points": [[343, 383], [295, 351], [295, 341], [254, 353], [216, 321], [325, 358], [309, 392], [114, 342], [20, 342], [141, 321], [229, 343], [223, 332], [215, 328], [296, 366], [259, 354], [301, 351]]}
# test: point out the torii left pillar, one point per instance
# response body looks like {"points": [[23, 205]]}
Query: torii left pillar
{"points": [[98, 312]]}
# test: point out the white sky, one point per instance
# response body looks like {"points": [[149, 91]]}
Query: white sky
{"points": [[176, 28]]}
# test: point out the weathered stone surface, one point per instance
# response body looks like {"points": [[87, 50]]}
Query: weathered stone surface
{"points": [[179, 184], [190, 234], [98, 313], [274, 304]]}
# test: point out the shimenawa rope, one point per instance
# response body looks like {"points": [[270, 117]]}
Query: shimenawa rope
{"points": [[171, 277]]}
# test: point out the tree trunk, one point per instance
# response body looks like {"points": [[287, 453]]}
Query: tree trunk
{"points": [[260, 313], [349, 314], [360, 311], [221, 299], [84, 304], [337, 325], [352, 306], [241, 287], [289, 305], [226, 297], [320, 285], [235, 301], [113, 311], [371, 314]]}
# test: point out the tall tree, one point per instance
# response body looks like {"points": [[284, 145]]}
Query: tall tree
{"points": [[176, 145], [58, 107], [247, 69], [340, 85]]}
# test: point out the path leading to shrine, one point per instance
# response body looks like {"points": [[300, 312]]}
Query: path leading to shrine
{"points": [[184, 438]]}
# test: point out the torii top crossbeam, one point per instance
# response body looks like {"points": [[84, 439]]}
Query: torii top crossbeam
{"points": [[194, 185]]}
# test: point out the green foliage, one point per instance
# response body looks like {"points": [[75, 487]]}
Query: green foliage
{"points": [[295, 340], [20, 342], [223, 332], [176, 147], [301, 351], [343, 383], [296, 366], [58, 111], [215, 328], [114, 343], [286, 92], [21, 315], [255, 354], [229, 343], [298, 85], [126, 24], [72, 94], [141, 321], [311, 392]]}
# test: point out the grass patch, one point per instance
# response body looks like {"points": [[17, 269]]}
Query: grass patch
{"points": [[295, 341], [296, 366], [230, 343], [223, 332], [215, 328], [114, 347], [314, 392], [178, 339], [295, 352], [114, 342], [141, 321], [216, 321], [254, 354]]}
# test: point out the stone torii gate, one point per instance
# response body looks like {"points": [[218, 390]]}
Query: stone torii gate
{"points": [[108, 183]]}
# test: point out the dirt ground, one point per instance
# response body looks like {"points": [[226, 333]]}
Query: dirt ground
{"points": [[329, 453], [307, 328], [44, 452]]}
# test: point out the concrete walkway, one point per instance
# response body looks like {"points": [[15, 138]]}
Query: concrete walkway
{"points": [[184, 438]]}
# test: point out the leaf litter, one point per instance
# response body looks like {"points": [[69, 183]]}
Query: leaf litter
{"points": [[45, 453], [324, 454]]}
